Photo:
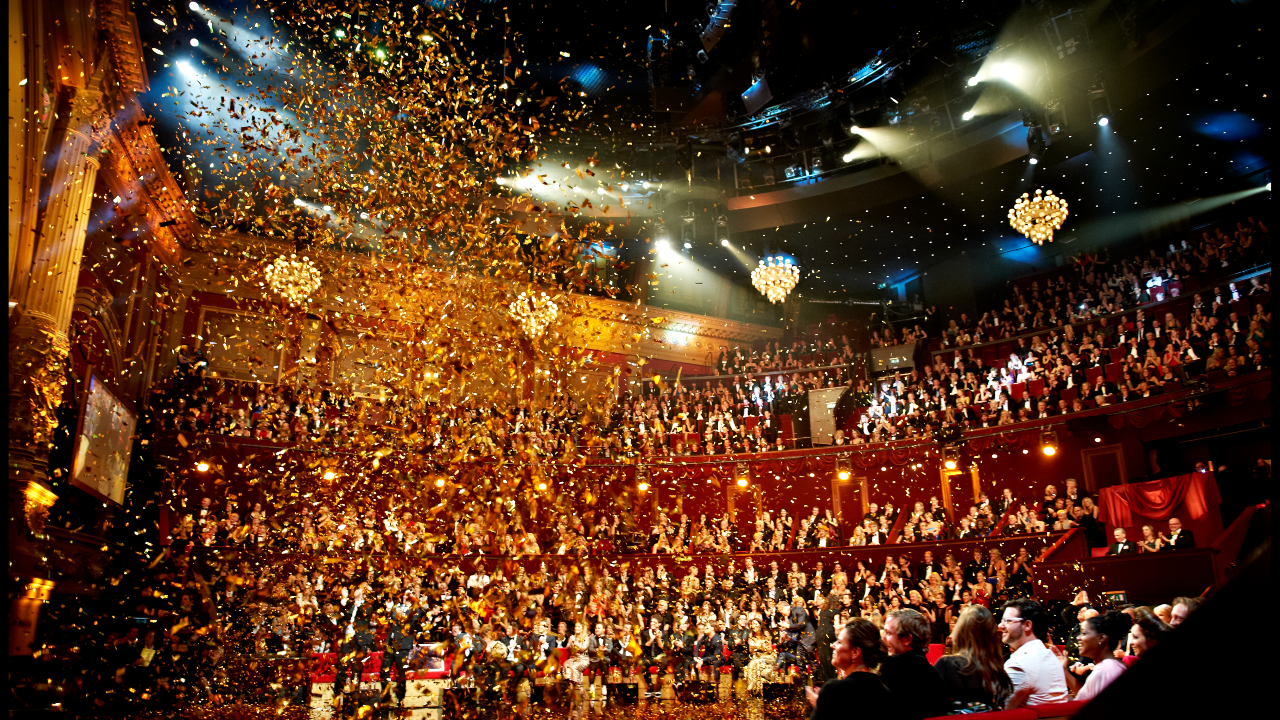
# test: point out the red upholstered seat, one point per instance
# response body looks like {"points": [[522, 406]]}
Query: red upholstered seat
{"points": [[1117, 354], [936, 651], [1093, 375], [1115, 371], [1018, 390], [1036, 387]]}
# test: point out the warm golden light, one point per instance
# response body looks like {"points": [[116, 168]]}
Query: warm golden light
{"points": [[742, 482], [329, 475], [293, 277], [843, 474], [202, 466], [775, 277], [1050, 450], [439, 482], [1038, 217], [643, 486], [542, 486], [950, 464]]}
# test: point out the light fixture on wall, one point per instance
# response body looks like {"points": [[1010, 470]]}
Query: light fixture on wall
{"points": [[743, 473], [950, 458], [843, 469], [294, 278], [1049, 443], [642, 479]]}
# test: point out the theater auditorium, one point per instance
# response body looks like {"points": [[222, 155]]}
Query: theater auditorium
{"points": [[680, 359]]}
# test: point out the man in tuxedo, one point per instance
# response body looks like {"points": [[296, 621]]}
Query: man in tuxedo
{"points": [[599, 650], [1121, 546], [1178, 539], [927, 568], [708, 651], [874, 536], [798, 640], [749, 575]]}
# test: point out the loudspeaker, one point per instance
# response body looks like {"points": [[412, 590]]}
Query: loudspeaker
{"points": [[624, 692], [779, 691]]}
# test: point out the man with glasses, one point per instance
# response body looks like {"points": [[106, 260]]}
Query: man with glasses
{"points": [[1034, 669]]}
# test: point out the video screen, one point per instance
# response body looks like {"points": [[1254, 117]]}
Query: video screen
{"points": [[104, 444]]}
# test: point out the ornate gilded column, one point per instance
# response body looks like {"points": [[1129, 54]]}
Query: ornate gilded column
{"points": [[39, 318], [41, 315]]}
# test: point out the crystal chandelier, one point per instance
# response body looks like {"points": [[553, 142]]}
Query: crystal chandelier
{"points": [[1037, 217], [533, 312], [775, 277], [293, 277]]}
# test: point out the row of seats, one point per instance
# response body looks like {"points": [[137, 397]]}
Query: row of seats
{"points": [[324, 669]]}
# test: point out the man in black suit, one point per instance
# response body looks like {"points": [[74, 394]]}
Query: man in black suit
{"points": [[1178, 539], [1121, 546], [927, 568], [915, 687], [798, 640], [708, 651], [599, 650], [826, 637]]}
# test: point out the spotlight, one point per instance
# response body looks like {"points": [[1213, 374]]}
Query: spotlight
{"points": [[624, 186], [542, 486], [994, 456], [968, 115], [742, 482], [855, 130], [1035, 160], [848, 157], [1024, 451], [329, 475], [643, 487], [194, 6], [328, 208], [1104, 121], [724, 242], [973, 81], [950, 464], [843, 471], [1097, 439], [645, 184], [299, 202], [664, 244], [1049, 443], [202, 466], [185, 68], [195, 42], [439, 482]]}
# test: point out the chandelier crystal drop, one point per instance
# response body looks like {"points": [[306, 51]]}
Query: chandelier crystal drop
{"points": [[294, 278], [775, 277], [533, 312], [1038, 217]]}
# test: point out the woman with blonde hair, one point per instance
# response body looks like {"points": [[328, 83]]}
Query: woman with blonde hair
{"points": [[974, 672]]}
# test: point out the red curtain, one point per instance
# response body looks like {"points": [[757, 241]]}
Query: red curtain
{"points": [[1159, 499]]}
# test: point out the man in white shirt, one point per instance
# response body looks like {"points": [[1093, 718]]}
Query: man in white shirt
{"points": [[1035, 671], [479, 579]]}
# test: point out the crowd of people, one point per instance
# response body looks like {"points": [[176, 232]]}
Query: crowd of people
{"points": [[544, 634]]}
